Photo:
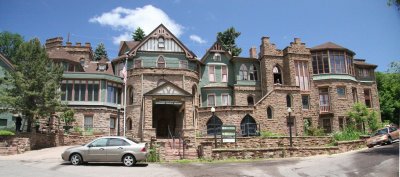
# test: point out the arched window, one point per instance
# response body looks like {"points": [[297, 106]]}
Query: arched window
{"points": [[129, 123], [277, 75], [253, 73], [217, 57], [161, 43], [289, 100], [269, 112], [214, 120], [243, 72], [248, 126], [161, 62], [130, 92], [250, 100]]}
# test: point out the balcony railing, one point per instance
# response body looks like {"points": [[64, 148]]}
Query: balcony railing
{"points": [[324, 109]]}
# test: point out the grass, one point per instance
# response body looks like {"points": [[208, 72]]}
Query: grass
{"points": [[6, 133], [265, 134], [347, 135]]}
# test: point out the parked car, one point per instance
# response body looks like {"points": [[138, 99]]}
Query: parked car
{"points": [[107, 149], [383, 136]]}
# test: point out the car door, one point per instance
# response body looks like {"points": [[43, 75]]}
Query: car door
{"points": [[97, 151], [115, 149]]}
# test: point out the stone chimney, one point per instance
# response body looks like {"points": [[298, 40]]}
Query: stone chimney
{"points": [[87, 44], [54, 42], [297, 40], [78, 44], [253, 52], [69, 44]]}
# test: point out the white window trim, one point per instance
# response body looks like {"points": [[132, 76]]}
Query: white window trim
{"points": [[215, 57], [222, 99], [215, 99], [226, 74]]}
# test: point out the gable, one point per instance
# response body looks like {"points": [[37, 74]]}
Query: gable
{"points": [[217, 47], [168, 89], [162, 40]]}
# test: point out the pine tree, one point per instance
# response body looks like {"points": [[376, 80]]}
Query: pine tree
{"points": [[100, 52], [227, 38], [138, 35], [33, 88]]}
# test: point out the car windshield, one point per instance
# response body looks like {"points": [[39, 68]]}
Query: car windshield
{"points": [[133, 140], [381, 132]]}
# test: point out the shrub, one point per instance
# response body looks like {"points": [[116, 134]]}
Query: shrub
{"points": [[153, 155], [347, 135], [6, 133], [265, 134], [315, 131]]}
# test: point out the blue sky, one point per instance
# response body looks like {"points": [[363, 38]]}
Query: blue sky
{"points": [[368, 27]]}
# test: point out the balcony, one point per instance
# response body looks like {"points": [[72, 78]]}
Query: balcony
{"points": [[324, 109]]}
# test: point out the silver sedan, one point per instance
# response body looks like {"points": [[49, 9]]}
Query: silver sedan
{"points": [[107, 149]]}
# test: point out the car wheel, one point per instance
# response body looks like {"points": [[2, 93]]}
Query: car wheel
{"points": [[76, 159], [129, 160], [370, 146]]}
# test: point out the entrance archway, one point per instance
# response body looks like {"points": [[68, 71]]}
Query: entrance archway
{"points": [[167, 118]]}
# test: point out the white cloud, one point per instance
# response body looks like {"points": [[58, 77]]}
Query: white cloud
{"points": [[197, 39], [123, 37], [127, 20]]}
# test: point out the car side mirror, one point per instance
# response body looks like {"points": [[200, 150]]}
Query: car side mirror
{"points": [[90, 145]]}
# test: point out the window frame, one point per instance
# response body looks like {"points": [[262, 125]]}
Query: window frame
{"points": [[163, 62], [341, 96], [215, 100], [227, 99], [243, 72], [211, 78], [308, 102], [222, 73]]}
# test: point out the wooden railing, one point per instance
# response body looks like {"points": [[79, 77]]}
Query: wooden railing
{"points": [[324, 109]]}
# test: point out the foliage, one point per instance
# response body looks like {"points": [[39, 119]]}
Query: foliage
{"points": [[315, 131], [389, 95], [394, 67], [372, 121], [153, 155], [33, 88], [138, 35], [265, 134], [394, 2], [68, 116], [6, 133], [78, 129], [347, 134], [227, 38], [359, 113], [9, 43], [100, 52]]}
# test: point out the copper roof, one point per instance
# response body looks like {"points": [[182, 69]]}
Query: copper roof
{"points": [[330, 45]]}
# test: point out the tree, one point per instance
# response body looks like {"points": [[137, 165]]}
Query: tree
{"points": [[227, 38], [389, 95], [394, 67], [360, 114], [9, 43], [394, 2], [138, 35], [33, 88], [100, 52]]}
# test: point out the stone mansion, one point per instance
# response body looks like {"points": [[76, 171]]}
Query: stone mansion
{"points": [[170, 91]]}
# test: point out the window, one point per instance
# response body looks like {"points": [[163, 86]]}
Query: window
{"points": [[354, 93], [129, 124], [214, 124], [161, 62], [305, 100], [320, 62], [368, 98], [120, 67], [248, 126], [130, 91], [3, 122], [161, 42], [253, 73], [365, 73], [224, 72], [277, 75], [225, 99], [337, 62], [183, 64], [341, 91], [217, 57], [88, 122], [117, 142], [66, 89], [302, 78], [338, 65], [326, 125], [211, 73], [341, 122], [288, 101], [114, 93], [80, 90], [82, 62], [269, 112], [324, 100], [211, 100], [243, 72], [112, 122], [250, 100], [100, 142], [138, 63]]}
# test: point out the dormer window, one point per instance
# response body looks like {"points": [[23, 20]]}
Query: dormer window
{"points": [[102, 67], [217, 57], [161, 42]]}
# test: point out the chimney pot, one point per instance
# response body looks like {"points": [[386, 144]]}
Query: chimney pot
{"points": [[78, 44], [87, 44]]}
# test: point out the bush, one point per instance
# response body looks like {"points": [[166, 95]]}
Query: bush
{"points": [[347, 135], [265, 134], [6, 133], [153, 155], [315, 131]]}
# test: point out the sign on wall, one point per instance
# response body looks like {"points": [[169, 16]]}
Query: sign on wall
{"points": [[228, 134]]}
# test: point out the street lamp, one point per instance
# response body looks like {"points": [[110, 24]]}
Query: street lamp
{"points": [[215, 130], [118, 112], [290, 123]]}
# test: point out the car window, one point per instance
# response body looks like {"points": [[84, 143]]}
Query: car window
{"points": [[117, 142], [100, 142], [392, 129], [382, 131]]}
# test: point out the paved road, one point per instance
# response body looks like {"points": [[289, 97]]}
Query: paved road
{"points": [[379, 161]]}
